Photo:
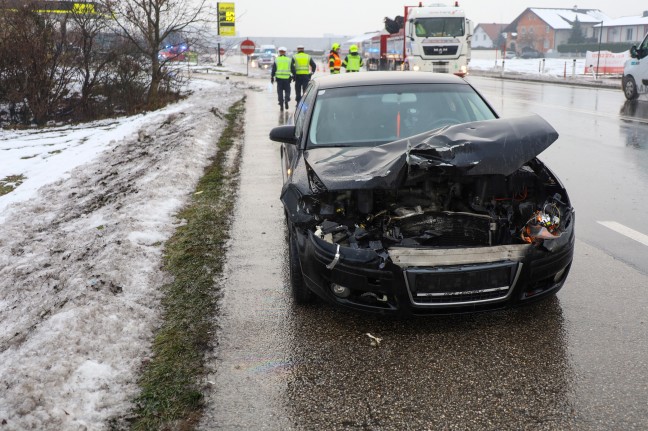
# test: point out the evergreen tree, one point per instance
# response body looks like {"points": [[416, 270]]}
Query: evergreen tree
{"points": [[577, 35]]}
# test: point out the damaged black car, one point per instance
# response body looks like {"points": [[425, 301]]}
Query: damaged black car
{"points": [[404, 193]]}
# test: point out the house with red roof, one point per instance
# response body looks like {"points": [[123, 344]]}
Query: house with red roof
{"points": [[544, 29]]}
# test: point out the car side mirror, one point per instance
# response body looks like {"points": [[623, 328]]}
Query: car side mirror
{"points": [[633, 52], [284, 134]]}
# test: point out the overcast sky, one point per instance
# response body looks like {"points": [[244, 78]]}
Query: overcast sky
{"points": [[310, 18]]}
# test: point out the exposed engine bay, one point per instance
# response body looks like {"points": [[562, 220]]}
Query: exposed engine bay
{"points": [[529, 206]]}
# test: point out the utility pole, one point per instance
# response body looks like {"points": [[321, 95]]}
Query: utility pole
{"points": [[598, 59], [218, 46]]}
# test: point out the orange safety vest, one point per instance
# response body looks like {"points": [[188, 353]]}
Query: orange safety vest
{"points": [[334, 62]]}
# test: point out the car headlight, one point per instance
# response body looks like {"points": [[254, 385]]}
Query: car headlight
{"points": [[316, 185]]}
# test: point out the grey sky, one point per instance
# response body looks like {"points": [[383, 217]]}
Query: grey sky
{"points": [[310, 18]]}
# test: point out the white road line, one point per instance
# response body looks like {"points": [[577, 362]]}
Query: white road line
{"points": [[626, 231]]}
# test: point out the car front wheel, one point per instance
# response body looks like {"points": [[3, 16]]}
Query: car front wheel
{"points": [[300, 292], [629, 88]]}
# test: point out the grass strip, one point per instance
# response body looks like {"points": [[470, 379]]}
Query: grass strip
{"points": [[9, 184], [171, 396]]}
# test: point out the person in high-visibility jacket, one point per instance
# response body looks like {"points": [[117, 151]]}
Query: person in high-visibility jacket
{"points": [[281, 72], [353, 61], [334, 59], [302, 68]]}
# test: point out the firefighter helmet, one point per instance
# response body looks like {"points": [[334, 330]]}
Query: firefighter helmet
{"points": [[353, 48], [335, 46]]}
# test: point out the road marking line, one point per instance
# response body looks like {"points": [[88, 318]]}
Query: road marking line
{"points": [[626, 231]]}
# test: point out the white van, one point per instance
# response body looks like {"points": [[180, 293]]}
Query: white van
{"points": [[635, 71], [269, 49]]}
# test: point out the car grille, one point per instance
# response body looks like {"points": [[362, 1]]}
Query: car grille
{"points": [[440, 50], [463, 285], [441, 67]]}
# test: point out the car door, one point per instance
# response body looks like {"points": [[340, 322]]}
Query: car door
{"points": [[642, 67], [290, 152]]}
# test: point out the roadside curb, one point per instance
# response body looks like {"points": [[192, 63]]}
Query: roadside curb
{"points": [[583, 81]]}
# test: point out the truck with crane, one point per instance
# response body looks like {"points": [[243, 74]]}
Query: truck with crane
{"points": [[433, 38]]}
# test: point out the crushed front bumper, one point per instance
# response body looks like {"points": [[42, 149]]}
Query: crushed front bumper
{"points": [[419, 281]]}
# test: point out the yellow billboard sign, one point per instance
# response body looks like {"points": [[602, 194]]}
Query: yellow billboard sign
{"points": [[50, 7], [226, 19]]}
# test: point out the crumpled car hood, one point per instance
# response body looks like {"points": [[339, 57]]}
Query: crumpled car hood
{"points": [[493, 147]]}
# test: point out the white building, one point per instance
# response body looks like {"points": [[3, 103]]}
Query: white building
{"points": [[627, 29], [487, 35]]}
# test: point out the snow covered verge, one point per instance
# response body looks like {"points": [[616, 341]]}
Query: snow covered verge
{"points": [[80, 254]]}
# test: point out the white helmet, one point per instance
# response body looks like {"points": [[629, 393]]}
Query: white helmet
{"points": [[282, 48]]}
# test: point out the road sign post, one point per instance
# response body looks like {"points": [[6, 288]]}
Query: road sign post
{"points": [[247, 48], [226, 23]]}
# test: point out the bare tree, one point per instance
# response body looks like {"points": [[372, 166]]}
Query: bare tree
{"points": [[87, 25], [147, 23], [527, 39], [36, 62]]}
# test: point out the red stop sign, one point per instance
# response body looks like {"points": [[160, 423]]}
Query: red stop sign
{"points": [[247, 47]]}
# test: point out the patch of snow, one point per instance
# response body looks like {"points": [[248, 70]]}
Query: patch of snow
{"points": [[80, 255]]}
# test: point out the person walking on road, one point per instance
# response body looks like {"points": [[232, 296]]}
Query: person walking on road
{"points": [[353, 61], [302, 68], [334, 59], [281, 72]]}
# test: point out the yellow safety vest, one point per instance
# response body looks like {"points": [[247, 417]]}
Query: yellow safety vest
{"points": [[352, 63], [302, 63], [283, 67]]}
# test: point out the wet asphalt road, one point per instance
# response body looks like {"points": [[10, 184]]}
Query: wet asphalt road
{"points": [[601, 156], [579, 361]]}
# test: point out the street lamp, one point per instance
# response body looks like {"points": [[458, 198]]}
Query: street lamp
{"points": [[598, 60]]}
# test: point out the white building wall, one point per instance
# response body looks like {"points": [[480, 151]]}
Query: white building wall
{"points": [[480, 39]]}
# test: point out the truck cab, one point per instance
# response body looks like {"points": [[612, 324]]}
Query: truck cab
{"points": [[438, 39], [635, 71]]}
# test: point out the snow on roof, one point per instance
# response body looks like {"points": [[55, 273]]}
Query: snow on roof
{"points": [[360, 38], [562, 19], [492, 30], [626, 21]]}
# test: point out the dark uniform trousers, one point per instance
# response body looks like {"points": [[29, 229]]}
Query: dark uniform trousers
{"points": [[301, 81], [283, 90]]}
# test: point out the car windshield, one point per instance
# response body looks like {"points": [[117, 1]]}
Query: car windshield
{"points": [[374, 115]]}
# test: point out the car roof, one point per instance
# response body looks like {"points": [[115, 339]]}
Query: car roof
{"points": [[386, 78]]}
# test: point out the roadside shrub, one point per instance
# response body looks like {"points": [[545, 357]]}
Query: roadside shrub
{"points": [[35, 67], [125, 85], [593, 46], [75, 67]]}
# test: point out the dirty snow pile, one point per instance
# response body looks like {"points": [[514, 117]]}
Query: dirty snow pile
{"points": [[80, 254]]}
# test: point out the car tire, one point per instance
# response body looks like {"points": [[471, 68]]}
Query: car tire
{"points": [[630, 88], [300, 292]]}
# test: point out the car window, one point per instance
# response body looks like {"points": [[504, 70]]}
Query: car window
{"points": [[303, 110], [644, 44], [373, 115]]}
